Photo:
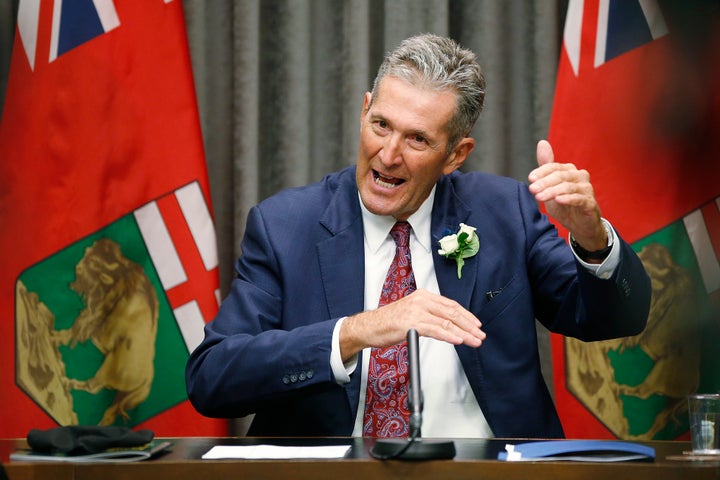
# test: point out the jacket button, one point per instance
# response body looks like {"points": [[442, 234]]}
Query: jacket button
{"points": [[302, 376], [625, 285], [310, 373], [286, 380], [293, 378]]}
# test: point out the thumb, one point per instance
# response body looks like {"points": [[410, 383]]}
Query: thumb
{"points": [[544, 153]]}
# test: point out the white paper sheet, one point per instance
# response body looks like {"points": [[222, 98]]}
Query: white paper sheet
{"points": [[274, 452]]}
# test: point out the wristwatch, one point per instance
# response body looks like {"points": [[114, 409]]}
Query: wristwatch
{"points": [[594, 255]]}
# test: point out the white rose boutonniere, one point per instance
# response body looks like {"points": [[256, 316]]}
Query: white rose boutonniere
{"points": [[459, 246]]}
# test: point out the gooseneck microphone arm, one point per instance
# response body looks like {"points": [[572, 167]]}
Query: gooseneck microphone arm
{"points": [[415, 395]]}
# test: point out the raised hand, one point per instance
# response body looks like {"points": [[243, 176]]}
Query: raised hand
{"points": [[569, 197]]}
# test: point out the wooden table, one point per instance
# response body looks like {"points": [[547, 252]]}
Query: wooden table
{"points": [[475, 460]]}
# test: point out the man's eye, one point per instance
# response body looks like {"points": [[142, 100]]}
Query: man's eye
{"points": [[417, 141], [380, 126]]}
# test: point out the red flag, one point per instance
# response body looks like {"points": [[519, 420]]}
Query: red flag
{"points": [[636, 104], [109, 267]]}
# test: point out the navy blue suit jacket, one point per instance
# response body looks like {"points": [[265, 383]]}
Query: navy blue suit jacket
{"points": [[302, 268]]}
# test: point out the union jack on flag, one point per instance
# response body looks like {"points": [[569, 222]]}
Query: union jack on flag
{"points": [[74, 22], [621, 26]]}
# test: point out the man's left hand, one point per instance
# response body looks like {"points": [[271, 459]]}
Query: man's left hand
{"points": [[569, 198]]}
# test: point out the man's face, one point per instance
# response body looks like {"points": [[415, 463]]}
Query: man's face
{"points": [[403, 146]]}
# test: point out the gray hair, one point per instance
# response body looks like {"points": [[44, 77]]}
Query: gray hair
{"points": [[439, 63]]}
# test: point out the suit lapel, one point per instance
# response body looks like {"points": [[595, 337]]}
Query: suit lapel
{"points": [[448, 212], [342, 262], [341, 254], [342, 269]]}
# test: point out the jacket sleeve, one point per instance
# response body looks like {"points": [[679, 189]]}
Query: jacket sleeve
{"points": [[252, 351], [584, 306]]}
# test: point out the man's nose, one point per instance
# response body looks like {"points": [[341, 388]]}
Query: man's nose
{"points": [[392, 150]]}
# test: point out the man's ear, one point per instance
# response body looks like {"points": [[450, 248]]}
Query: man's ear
{"points": [[459, 154], [366, 104]]}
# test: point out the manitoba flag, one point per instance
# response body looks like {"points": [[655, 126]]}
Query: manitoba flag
{"points": [[109, 262], [637, 105]]}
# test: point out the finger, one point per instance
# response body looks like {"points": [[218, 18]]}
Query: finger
{"points": [[545, 156], [572, 194], [450, 333], [456, 325], [453, 333], [448, 309], [544, 153], [559, 179], [553, 179], [472, 337]]}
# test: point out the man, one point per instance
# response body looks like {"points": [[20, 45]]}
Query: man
{"points": [[292, 341]]}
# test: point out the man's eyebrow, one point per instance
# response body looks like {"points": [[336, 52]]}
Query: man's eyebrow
{"points": [[434, 144], [377, 116], [421, 133]]}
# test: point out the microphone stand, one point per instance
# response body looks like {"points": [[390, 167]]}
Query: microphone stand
{"points": [[414, 448]]}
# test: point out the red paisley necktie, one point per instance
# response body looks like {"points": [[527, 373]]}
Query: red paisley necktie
{"points": [[386, 406]]}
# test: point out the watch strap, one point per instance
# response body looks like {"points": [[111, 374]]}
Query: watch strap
{"points": [[596, 254]]}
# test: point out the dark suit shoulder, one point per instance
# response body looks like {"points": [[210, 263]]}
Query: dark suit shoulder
{"points": [[312, 199], [480, 189], [468, 183]]}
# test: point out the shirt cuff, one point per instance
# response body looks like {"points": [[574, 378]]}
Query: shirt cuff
{"points": [[341, 371], [605, 269]]}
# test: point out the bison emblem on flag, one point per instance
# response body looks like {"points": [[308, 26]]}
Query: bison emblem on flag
{"points": [[92, 337]]}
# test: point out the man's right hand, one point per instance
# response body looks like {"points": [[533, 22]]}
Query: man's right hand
{"points": [[432, 315]]}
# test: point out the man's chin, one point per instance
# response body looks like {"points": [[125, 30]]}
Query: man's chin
{"points": [[378, 206]]}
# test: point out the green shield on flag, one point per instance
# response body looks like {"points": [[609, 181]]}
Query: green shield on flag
{"points": [[637, 386], [96, 339]]}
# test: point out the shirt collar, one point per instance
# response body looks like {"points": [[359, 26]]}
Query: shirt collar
{"points": [[377, 227]]}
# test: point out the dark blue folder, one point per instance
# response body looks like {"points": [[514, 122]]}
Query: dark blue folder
{"points": [[577, 450]]}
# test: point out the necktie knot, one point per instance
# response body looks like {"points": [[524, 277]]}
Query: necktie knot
{"points": [[400, 232]]}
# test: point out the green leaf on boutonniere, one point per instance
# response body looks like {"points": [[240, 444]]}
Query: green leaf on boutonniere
{"points": [[459, 246]]}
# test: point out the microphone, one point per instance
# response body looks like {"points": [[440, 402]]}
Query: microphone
{"points": [[415, 398], [414, 448]]}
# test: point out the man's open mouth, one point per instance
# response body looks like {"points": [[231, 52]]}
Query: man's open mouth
{"points": [[387, 182]]}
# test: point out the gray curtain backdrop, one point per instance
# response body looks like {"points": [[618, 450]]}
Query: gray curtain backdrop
{"points": [[280, 85]]}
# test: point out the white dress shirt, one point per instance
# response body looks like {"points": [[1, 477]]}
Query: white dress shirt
{"points": [[450, 407]]}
